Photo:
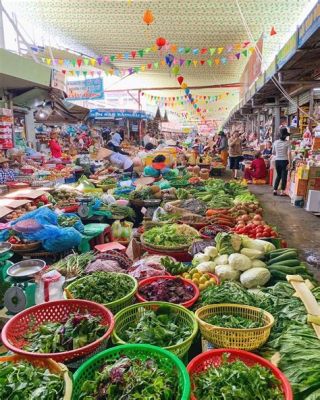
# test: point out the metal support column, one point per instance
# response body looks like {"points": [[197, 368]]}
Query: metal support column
{"points": [[276, 114], [30, 129]]}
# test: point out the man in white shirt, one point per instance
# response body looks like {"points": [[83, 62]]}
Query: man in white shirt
{"points": [[117, 160]]}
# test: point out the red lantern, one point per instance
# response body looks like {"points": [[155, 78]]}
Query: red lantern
{"points": [[148, 17], [160, 42]]}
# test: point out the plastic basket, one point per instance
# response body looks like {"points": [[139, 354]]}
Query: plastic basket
{"points": [[131, 316], [54, 311], [114, 306], [214, 358], [186, 282], [51, 365], [165, 359], [244, 339]]}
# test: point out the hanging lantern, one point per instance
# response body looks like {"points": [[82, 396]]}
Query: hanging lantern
{"points": [[160, 42], [148, 17]]}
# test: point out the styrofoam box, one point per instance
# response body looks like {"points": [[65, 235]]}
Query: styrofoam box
{"points": [[313, 202]]}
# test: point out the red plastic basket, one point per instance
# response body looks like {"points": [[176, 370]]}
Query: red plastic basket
{"points": [[186, 282], [213, 357], [54, 311]]}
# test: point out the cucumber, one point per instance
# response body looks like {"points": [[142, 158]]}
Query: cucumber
{"points": [[287, 263], [287, 270], [272, 256], [278, 252], [290, 255], [280, 276]]}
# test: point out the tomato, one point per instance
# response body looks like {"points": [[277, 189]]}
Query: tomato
{"points": [[257, 217], [241, 231], [274, 235]]}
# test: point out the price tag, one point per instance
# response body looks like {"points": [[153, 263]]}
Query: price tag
{"points": [[143, 210]]}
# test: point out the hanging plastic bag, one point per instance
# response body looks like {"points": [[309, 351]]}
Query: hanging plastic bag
{"points": [[159, 211]]}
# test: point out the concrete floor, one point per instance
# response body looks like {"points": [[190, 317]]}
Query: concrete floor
{"points": [[298, 227]]}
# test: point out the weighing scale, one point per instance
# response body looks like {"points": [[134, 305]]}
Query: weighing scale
{"points": [[84, 206]]}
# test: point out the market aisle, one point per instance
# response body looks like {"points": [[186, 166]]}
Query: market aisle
{"points": [[298, 227]]}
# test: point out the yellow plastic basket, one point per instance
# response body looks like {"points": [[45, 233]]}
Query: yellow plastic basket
{"points": [[243, 339]]}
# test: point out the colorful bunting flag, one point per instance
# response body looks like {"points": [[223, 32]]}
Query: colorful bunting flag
{"points": [[212, 51]]}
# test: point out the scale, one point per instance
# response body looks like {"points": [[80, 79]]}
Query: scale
{"points": [[20, 277], [84, 206]]}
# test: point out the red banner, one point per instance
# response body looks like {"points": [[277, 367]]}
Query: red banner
{"points": [[252, 70]]}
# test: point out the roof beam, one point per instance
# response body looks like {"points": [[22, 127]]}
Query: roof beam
{"points": [[222, 86]]}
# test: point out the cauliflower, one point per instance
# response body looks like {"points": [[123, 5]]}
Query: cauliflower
{"points": [[199, 258], [211, 251], [239, 262], [226, 272], [221, 260], [255, 277], [207, 266]]}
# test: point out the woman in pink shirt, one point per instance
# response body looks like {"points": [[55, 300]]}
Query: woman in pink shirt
{"points": [[257, 169], [54, 146]]}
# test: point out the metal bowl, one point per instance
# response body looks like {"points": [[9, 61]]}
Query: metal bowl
{"points": [[5, 247], [26, 268]]}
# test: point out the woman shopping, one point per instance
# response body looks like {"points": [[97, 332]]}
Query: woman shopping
{"points": [[235, 153], [282, 156]]}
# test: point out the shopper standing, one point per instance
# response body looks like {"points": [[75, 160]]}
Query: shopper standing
{"points": [[54, 145], [235, 153], [282, 152], [223, 148]]}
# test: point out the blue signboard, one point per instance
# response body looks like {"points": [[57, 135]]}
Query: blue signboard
{"points": [[112, 114], [309, 25], [287, 51], [88, 89]]}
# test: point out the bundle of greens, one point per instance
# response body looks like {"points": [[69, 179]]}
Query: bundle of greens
{"points": [[246, 197], [170, 236], [120, 212], [76, 331], [234, 321], [22, 380], [132, 378], [174, 267], [102, 287], [236, 381], [73, 265], [161, 328]]}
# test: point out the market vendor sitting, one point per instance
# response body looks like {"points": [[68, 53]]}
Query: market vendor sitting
{"points": [[257, 169], [117, 160], [54, 146], [157, 168], [6, 174]]}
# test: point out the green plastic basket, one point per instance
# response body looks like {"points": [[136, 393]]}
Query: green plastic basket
{"points": [[113, 306], [131, 315], [164, 358]]}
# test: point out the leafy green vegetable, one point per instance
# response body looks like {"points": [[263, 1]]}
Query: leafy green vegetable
{"points": [[76, 331], [235, 321], [182, 194], [102, 287], [174, 267], [22, 380], [132, 378], [161, 328], [236, 381], [73, 265], [245, 198], [169, 236], [227, 243]]}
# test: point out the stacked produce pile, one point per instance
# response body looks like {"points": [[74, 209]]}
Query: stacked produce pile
{"points": [[236, 258]]}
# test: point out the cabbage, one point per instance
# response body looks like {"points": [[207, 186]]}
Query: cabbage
{"points": [[227, 243], [257, 244], [258, 263], [211, 251], [255, 277], [226, 272], [239, 262], [199, 258], [253, 254], [207, 266], [221, 260]]}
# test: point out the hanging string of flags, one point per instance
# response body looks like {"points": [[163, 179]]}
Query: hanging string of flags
{"points": [[135, 54], [182, 100], [191, 99], [176, 62]]}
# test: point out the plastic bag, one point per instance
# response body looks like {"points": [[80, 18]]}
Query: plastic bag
{"points": [[122, 230], [63, 240], [108, 199], [42, 215], [159, 211]]}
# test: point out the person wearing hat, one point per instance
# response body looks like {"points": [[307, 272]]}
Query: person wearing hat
{"points": [[117, 160], [223, 148], [6, 174]]}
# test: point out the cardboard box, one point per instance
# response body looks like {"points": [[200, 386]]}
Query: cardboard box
{"points": [[316, 144], [314, 172], [301, 187], [303, 172]]}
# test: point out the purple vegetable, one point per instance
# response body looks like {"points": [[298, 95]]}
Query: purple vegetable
{"points": [[170, 290]]}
